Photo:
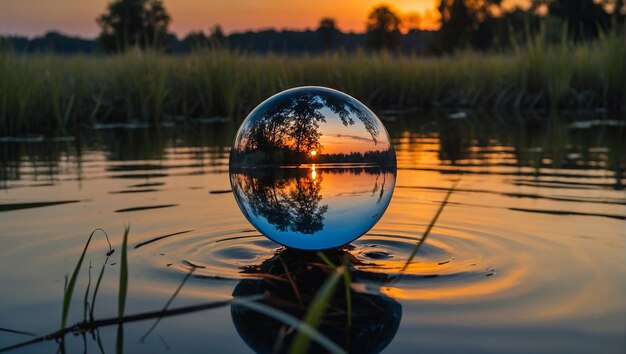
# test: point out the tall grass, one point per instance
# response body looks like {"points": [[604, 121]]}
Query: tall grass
{"points": [[49, 93]]}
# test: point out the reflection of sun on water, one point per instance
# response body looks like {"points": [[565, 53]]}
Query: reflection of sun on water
{"points": [[313, 172]]}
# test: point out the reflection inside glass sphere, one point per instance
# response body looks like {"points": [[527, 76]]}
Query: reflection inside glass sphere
{"points": [[313, 208], [375, 317], [312, 168]]}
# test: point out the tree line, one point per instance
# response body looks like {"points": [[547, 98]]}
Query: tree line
{"points": [[476, 24]]}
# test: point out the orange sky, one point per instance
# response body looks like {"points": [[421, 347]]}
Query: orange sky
{"points": [[34, 17]]}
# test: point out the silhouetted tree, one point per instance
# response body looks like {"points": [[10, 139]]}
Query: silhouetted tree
{"points": [[195, 40], [288, 130], [466, 23], [456, 24], [516, 25], [133, 23], [617, 9], [383, 28], [305, 120], [328, 31], [217, 37], [411, 21], [583, 17]]}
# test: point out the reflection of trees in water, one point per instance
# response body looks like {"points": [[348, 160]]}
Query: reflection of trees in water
{"points": [[357, 170], [50, 157], [453, 142], [286, 129], [289, 200], [306, 215]]}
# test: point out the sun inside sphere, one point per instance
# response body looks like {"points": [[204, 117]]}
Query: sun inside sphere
{"points": [[312, 168]]}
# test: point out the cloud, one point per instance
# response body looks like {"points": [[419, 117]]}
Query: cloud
{"points": [[355, 137]]}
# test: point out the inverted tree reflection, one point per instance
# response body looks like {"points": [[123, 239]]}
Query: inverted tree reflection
{"points": [[285, 202], [289, 199]]}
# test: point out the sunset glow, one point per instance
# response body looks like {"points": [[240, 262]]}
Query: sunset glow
{"points": [[33, 17]]}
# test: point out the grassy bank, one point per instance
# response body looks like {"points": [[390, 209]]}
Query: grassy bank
{"points": [[45, 93]]}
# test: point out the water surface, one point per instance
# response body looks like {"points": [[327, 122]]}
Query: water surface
{"points": [[527, 256]]}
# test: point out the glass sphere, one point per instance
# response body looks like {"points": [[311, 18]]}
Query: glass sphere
{"points": [[312, 168]]}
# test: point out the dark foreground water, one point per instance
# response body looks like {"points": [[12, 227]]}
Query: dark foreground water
{"points": [[529, 255]]}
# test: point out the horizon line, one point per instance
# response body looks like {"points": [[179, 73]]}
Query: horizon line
{"points": [[179, 36]]}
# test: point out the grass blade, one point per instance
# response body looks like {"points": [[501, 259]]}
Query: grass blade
{"points": [[99, 341], [326, 260], [86, 309], [92, 325], [303, 328], [97, 287], [15, 331], [167, 304], [316, 311], [69, 289], [119, 339], [346, 280], [430, 226], [123, 288], [296, 292]]}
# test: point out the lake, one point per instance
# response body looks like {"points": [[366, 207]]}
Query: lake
{"points": [[528, 254]]}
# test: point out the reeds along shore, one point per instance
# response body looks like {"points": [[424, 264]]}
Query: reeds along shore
{"points": [[50, 93]]}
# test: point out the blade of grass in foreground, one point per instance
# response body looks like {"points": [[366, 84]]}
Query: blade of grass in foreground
{"points": [[430, 227], [86, 299], [123, 290], [94, 325], [296, 292], [24, 333], [167, 304], [316, 311], [346, 281], [119, 339], [97, 287], [303, 328], [69, 290]]}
